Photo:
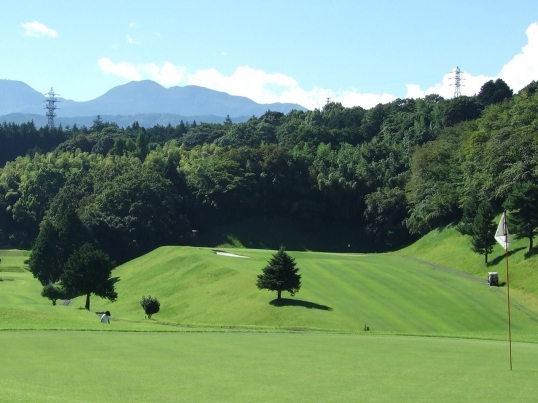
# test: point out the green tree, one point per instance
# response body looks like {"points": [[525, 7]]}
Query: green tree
{"points": [[150, 305], [45, 260], [493, 92], [470, 205], [88, 272], [483, 230], [52, 292], [385, 211], [522, 202], [141, 145], [280, 274]]}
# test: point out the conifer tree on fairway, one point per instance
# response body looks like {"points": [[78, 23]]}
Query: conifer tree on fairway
{"points": [[280, 275], [483, 230], [523, 205], [45, 260], [61, 233], [88, 271]]}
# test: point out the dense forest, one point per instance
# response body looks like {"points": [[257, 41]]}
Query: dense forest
{"points": [[394, 171]]}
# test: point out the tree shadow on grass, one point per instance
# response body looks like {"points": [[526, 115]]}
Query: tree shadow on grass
{"points": [[501, 258], [299, 302], [531, 253]]}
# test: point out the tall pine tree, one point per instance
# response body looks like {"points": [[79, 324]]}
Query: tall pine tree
{"points": [[523, 206], [483, 230], [280, 275]]}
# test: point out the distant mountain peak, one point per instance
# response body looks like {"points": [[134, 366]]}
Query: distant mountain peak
{"points": [[139, 97]]}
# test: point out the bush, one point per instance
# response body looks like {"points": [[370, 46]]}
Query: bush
{"points": [[150, 305], [52, 292]]}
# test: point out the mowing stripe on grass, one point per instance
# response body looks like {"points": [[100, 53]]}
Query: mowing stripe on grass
{"points": [[224, 367]]}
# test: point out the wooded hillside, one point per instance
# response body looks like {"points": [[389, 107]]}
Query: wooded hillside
{"points": [[394, 171]]}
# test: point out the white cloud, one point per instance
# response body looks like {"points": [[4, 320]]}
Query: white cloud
{"points": [[263, 87], [517, 73], [131, 41], [121, 69], [36, 29], [523, 68], [167, 75], [469, 85], [355, 98], [245, 81]]}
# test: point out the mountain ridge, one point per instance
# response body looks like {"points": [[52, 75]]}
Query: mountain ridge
{"points": [[136, 98]]}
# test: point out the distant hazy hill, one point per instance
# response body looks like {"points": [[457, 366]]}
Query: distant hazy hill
{"points": [[145, 101], [145, 120]]}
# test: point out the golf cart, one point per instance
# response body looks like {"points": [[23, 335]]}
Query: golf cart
{"points": [[493, 278]]}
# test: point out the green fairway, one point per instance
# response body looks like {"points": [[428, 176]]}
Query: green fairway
{"points": [[340, 293], [46, 366]]}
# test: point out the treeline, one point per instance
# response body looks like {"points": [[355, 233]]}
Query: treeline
{"points": [[396, 170]]}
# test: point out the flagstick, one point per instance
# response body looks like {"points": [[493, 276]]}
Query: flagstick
{"points": [[508, 289]]}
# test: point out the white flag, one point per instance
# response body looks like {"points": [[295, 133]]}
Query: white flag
{"points": [[501, 235]]}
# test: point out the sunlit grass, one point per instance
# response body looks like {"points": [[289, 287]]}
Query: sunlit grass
{"points": [[218, 338], [41, 366]]}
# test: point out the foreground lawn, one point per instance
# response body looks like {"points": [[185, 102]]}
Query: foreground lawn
{"points": [[72, 366]]}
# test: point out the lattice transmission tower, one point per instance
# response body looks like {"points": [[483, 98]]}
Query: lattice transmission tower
{"points": [[457, 81], [50, 106]]}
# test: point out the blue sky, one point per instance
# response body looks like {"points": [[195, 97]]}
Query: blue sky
{"points": [[355, 52]]}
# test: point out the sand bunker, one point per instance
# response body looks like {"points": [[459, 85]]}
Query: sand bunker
{"points": [[218, 252]]}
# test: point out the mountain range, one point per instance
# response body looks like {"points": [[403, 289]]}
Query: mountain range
{"points": [[146, 101]]}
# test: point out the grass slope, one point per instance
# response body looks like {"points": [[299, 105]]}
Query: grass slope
{"points": [[340, 292], [447, 247]]}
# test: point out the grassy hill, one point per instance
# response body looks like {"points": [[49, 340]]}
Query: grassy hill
{"points": [[218, 338], [341, 292], [447, 247]]}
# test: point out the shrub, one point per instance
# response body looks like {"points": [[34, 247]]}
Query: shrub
{"points": [[52, 292], [150, 305]]}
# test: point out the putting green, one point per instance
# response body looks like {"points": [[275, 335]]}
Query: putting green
{"points": [[72, 366]]}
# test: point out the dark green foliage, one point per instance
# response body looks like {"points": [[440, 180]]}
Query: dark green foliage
{"points": [[134, 212], [141, 145], [150, 305], [483, 230], [522, 204], [139, 188], [385, 212], [20, 140], [280, 275], [494, 92], [46, 259], [432, 189], [460, 109], [52, 292], [529, 89], [470, 205], [88, 272]]}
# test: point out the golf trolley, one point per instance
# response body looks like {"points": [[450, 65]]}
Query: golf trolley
{"points": [[493, 278]]}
